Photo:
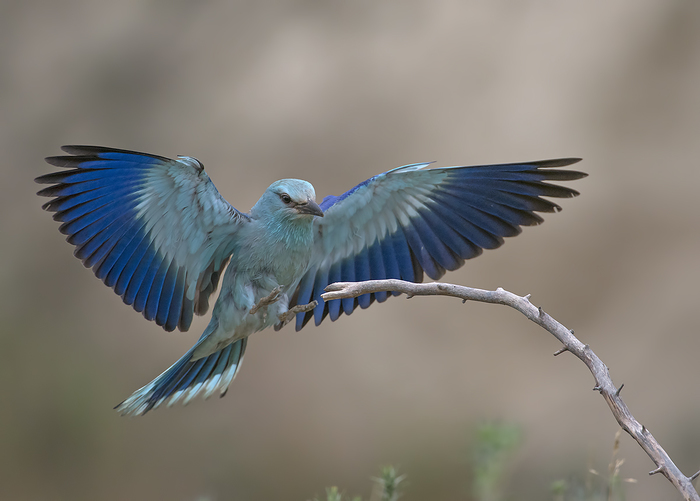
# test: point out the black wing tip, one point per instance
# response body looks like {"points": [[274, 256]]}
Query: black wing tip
{"points": [[556, 162], [86, 149], [93, 152], [562, 175]]}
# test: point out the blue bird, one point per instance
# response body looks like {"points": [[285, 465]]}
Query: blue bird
{"points": [[158, 232]]}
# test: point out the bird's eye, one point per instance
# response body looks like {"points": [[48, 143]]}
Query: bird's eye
{"points": [[285, 198]]}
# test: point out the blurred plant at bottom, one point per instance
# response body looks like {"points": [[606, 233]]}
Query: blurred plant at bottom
{"points": [[386, 488], [494, 446], [595, 486]]}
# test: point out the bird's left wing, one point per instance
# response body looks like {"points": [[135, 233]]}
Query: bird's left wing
{"points": [[154, 229], [411, 220]]}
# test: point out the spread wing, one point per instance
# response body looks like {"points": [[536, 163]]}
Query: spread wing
{"points": [[412, 220], [154, 229]]}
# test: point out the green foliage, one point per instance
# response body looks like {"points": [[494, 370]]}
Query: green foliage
{"points": [[386, 488], [494, 446], [595, 487], [333, 494], [388, 483]]}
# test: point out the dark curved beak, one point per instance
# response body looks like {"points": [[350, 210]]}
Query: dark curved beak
{"points": [[309, 207]]}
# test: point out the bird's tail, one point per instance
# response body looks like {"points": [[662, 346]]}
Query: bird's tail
{"points": [[186, 378]]}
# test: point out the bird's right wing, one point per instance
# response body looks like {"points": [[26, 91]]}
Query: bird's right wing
{"points": [[155, 230], [412, 220]]}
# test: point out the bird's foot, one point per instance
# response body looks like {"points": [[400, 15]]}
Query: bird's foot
{"points": [[266, 301], [292, 312]]}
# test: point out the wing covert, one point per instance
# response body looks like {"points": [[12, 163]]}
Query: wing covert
{"points": [[413, 220], [154, 229]]}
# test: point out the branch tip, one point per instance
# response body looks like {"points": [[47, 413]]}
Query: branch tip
{"points": [[657, 470], [561, 350]]}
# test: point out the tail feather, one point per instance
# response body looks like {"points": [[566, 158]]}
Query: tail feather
{"points": [[186, 378]]}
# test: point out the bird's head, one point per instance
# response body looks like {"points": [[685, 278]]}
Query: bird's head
{"points": [[289, 199]]}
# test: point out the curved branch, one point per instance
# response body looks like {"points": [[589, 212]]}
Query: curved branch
{"points": [[603, 382]]}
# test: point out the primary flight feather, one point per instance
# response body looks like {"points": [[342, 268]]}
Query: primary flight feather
{"points": [[158, 232]]}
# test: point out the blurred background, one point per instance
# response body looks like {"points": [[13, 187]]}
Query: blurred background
{"points": [[335, 92]]}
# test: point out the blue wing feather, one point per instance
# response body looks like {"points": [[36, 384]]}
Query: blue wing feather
{"points": [[407, 263], [167, 295], [147, 275], [321, 282], [157, 292], [126, 259], [361, 274], [92, 237], [176, 305], [132, 217], [347, 272], [412, 220], [334, 275], [303, 296], [376, 267]]}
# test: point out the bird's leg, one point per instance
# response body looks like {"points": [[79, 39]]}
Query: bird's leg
{"points": [[272, 298], [299, 308]]}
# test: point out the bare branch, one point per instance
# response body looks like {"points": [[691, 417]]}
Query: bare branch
{"points": [[604, 383]]}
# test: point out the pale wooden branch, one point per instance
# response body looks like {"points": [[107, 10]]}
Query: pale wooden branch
{"points": [[603, 382]]}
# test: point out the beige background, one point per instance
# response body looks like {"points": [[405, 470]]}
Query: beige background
{"points": [[334, 92]]}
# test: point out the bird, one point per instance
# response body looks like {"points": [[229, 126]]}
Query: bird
{"points": [[157, 231]]}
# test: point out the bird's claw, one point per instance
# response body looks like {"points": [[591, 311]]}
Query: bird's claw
{"points": [[288, 315], [271, 298]]}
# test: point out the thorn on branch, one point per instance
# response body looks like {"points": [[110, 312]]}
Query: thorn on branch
{"points": [[561, 350], [597, 388], [539, 309], [657, 470], [617, 393], [464, 301], [409, 296], [526, 297], [572, 332], [694, 476], [644, 429]]}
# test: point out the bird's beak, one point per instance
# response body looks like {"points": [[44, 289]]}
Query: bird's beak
{"points": [[309, 207]]}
